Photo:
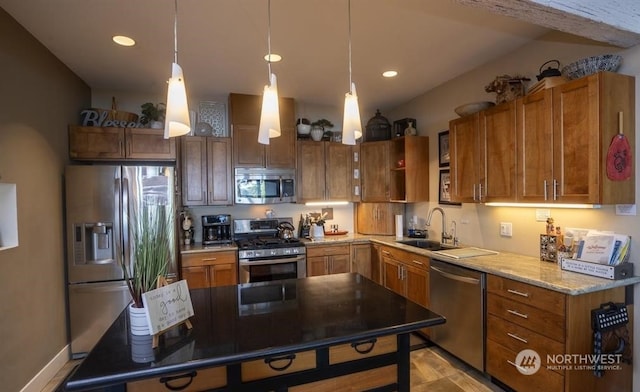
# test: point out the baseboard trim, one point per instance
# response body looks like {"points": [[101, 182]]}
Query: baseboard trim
{"points": [[45, 375]]}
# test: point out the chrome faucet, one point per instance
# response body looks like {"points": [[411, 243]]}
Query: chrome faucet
{"points": [[454, 233], [445, 236]]}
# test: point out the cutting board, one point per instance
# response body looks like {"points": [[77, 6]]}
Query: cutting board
{"points": [[462, 253]]}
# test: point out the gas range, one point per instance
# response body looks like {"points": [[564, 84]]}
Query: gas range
{"points": [[257, 239]]}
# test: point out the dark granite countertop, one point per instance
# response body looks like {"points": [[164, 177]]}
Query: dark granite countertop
{"points": [[233, 324]]}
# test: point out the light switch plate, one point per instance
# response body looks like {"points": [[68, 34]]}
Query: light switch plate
{"points": [[626, 209], [542, 214]]}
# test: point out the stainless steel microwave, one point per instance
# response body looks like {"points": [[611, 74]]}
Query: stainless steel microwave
{"points": [[264, 186]]}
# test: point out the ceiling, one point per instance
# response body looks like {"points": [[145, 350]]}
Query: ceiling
{"points": [[221, 44]]}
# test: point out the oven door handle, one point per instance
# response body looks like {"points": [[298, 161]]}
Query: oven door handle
{"points": [[280, 260]]}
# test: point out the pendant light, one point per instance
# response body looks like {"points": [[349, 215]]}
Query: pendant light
{"points": [[177, 122], [351, 124], [270, 114]]}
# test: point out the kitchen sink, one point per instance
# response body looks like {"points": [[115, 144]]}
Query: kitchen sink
{"points": [[427, 244]]}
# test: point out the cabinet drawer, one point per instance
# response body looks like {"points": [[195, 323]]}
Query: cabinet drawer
{"points": [[207, 258], [407, 258], [197, 380], [501, 364], [361, 381], [394, 253], [545, 299], [278, 365], [548, 324], [317, 251], [363, 349], [517, 338]]}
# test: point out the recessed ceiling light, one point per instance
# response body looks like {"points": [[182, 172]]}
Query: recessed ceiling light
{"points": [[274, 58], [390, 74], [123, 40]]}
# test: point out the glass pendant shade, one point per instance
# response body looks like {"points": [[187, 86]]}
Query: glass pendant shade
{"points": [[177, 122], [270, 114], [351, 124]]}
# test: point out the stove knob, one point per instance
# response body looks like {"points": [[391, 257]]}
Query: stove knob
{"points": [[273, 252], [296, 250], [287, 251]]}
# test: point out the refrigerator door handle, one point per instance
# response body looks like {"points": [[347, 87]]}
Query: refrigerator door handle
{"points": [[125, 222], [117, 228]]}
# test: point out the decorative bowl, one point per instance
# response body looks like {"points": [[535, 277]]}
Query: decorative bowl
{"points": [[304, 129], [590, 65], [473, 107]]}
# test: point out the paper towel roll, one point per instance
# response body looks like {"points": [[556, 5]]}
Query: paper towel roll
{"points": [[399, 227]]}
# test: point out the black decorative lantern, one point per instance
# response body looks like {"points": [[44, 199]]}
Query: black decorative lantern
{"points": [[378, 128]]}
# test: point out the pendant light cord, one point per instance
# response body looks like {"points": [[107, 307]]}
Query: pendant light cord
{"points": [[175, 33], [350, 81], [269, 38]]}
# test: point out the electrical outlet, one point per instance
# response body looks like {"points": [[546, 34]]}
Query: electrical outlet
{"points": [[506, 229]]}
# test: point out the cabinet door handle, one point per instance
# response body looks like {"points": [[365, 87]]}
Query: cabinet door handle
{"points": [[555, 189], [516, 313], [474, 192], [544, 186], [210, 259], [417, 262], [480, 192], [515, 365], [516, 337], [520, 293], [386, 252], [289, 358], [167, 380]]}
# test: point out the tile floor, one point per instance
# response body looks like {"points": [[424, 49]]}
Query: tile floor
{"points": [[432, 369]]}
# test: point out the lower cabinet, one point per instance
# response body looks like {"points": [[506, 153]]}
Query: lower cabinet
{"points": [[406, 273], [328, 259], [209, 269], [361, 259], [554, 325]]}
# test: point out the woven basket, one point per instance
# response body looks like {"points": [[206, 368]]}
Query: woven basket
{"points": [[590, 65]]}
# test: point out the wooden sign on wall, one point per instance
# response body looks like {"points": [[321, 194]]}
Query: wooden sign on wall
{"points": [[167, 306]]}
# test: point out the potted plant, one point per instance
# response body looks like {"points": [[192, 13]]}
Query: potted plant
{"points": [[151, 247], [153, 115]]}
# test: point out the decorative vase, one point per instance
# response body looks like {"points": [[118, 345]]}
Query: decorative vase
{"points": [[138, 321], [317, 231], [156, 124], [317, 133], [141, 348], [410, 130]]}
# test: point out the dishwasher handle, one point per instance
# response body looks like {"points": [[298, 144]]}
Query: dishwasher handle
{"points": [[459, 278]]}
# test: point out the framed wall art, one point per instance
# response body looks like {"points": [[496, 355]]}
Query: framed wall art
{"points": [[444, 194], [443, 148]]}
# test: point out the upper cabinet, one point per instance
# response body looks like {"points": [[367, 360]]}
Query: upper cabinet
{"points": [[325, 171], [108, 143], [245, 120], [207, 175], [550, 146], [483, 158], [395, 170], [564, 137], [409, 174]]}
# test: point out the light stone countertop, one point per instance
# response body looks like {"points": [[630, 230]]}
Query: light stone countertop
{"points": [[514, 266], [525, 269]]}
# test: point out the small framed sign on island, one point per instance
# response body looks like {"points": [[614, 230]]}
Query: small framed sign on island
{"points": [[297, 334]]}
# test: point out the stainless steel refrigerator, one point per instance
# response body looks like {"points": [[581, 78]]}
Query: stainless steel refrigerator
{"points": [[100, 199]]}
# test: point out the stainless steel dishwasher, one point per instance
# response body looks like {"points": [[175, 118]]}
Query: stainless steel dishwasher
{"points": [[459, 295]]}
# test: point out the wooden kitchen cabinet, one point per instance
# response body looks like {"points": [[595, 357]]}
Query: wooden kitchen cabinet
{"points": [[375, 171], [110, 143], [245, 120], [207, 176], [521, 316], [377, 218], [328, 259], [406, 273], [361, 259], [209, 269], [482, 155], [325, 171], [564, 135], [409, 183]]}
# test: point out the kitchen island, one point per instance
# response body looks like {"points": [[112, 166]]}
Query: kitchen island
{"points": [[319, 333]]}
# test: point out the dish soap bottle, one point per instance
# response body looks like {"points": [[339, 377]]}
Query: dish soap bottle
{"points": [[410, 130]]}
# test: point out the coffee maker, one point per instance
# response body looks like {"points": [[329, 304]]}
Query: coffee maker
{"points": [[216, 229]]}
